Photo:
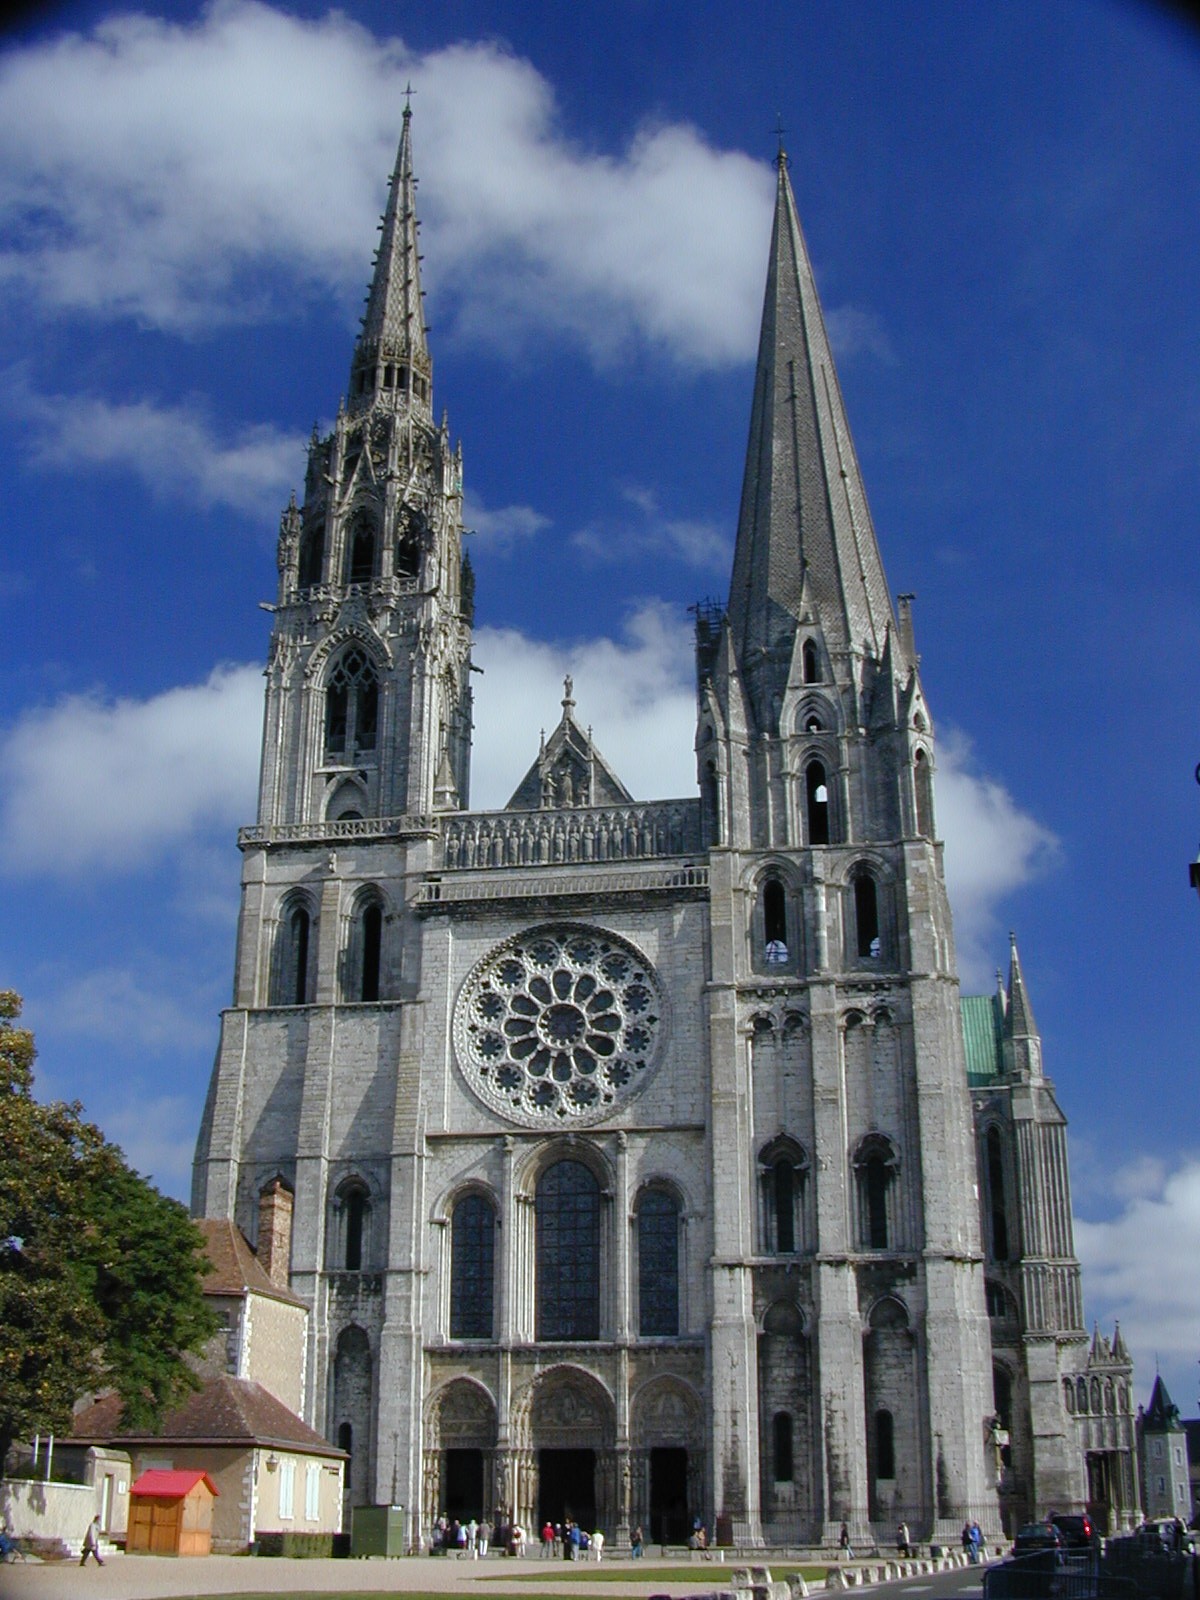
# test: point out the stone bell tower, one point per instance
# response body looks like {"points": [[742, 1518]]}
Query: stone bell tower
{"points": [[850, 1366], [368, 706]]}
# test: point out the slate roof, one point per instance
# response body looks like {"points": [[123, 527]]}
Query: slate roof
{"points": [[234, 1269], [225, 1411], [1162, 1414]]}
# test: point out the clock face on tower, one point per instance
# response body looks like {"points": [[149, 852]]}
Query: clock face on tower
{"points": [[559, 1025]]}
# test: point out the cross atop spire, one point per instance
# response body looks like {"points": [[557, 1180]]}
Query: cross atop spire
{"points": [[391, 355], [804, 518]]}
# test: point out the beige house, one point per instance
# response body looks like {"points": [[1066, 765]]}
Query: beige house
{"points": [[273, 1473]]}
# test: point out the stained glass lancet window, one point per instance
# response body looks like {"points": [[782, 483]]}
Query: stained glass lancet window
{"points": [[472, 1268], [658, 1265], [567, 1213]]}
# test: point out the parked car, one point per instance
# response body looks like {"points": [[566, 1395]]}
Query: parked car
{"points": [[1077, 1529], [1039, 1536]]}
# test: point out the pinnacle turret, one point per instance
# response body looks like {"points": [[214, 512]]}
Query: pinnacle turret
{"points": [[804, 509], [1022, 1042], [391, 356]]}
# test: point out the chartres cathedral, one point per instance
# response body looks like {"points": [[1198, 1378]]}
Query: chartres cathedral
{"points": [[638, 1160]]}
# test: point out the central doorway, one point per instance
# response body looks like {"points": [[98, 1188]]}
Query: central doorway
{"points": [[668, 1496], [567, 1487], [464, 1484]]}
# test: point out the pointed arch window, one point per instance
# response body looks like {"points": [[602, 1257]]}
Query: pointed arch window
{"points": [[472, 1267], [293, 980], [351, 707], [362, 966], [783, 1170], [875, 1172], [867, 941], [350, 1234], [658, 1265], [923, 785], [775, 929], [816, 799], [567, 1224], [361, 549], [812, 663]]}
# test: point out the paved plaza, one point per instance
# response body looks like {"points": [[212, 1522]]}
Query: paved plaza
{"points": [[160, 1577]]}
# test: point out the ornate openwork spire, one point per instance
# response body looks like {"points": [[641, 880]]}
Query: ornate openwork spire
{"points": [[804, 510], [391, 356]]}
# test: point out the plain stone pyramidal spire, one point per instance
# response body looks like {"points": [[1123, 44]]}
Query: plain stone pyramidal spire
{"points": [[393, 327], [804, 529]]}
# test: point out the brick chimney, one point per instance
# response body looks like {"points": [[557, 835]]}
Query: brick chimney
{"points": [[275, 1204]]}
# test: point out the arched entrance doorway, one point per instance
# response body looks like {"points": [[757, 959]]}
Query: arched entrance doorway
{"points": [[668, 1461], [459, 1454], [570, 1425]]}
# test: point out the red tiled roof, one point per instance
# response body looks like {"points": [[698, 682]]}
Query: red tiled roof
{"points": [[233, 1266], [156, 1483]]}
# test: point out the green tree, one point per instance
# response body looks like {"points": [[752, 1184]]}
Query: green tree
{"points": [[100, 1275]]}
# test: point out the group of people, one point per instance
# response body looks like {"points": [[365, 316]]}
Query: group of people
{"points": [[973, 1542], [472, 1539], [573, 1543]]}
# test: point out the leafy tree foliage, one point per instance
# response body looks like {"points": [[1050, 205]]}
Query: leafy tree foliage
{"points": [[100, 1275]]}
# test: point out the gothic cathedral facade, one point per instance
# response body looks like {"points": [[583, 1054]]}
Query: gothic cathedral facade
{"points": [[631, 1156]]}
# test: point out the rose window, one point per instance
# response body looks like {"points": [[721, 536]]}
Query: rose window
{"points": [[559, 1025]]}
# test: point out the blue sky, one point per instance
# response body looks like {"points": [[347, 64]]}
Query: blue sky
{"points": [[1003, 207]]}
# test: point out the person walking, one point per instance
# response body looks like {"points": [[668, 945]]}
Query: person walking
{"points": [[844, 1543], [637, 1543], [547, 1539], [484, 1536], [903, 1545], [597, 1545], [91, 1542]]}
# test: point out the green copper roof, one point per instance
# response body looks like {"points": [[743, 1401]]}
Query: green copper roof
{"points": [[982, 1038]]}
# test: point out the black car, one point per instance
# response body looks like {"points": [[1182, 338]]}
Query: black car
{"points": [[1038, 1536], [1077, 1529]]}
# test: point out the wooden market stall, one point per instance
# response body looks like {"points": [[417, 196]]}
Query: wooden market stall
{"points": [[171, 1513]]}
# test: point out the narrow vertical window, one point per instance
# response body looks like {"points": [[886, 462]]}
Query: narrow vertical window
{"points": [[312, 556], [472, 1268], [995, 1177], [876, 1187], [371, 936], [774, 910], [299, 957], [356, 1217], [360, 567], [812, 667], [923, 783], [337, 701], [783, 1183], [866, 915], [781, 1429], [817, 800], [885, 1445], [658, 1265]]}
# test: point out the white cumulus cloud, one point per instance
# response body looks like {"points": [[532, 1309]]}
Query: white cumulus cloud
{"points": [[992, 848], [113, 784], [174, 450], [187, 173], [1137, 1268], [635, 692]]}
